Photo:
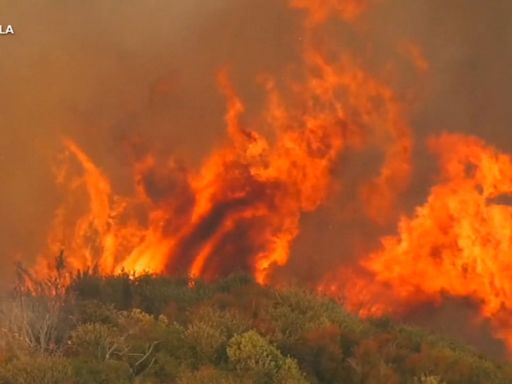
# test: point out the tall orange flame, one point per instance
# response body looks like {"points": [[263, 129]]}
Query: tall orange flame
{"points": [[241, 209]]}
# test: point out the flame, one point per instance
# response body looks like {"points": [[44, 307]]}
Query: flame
{"points": [[241, 209], [458, 243], [104, 234]]}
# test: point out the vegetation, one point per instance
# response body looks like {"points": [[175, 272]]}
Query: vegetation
{"points": [[155, 329]]}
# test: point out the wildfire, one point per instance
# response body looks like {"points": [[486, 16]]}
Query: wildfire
{"points": [[241, 208]]}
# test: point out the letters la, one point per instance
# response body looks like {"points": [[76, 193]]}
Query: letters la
{"points": [[6, 30]]}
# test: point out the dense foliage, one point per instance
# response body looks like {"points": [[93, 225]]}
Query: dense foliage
{"points": [[155, 329]]}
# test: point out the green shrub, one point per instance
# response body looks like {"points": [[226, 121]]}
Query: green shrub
{"points": [[37, 370], [86, 371], [251, 353]]}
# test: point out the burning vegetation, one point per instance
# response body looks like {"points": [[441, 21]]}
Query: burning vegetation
{"points": [[242, 208]]}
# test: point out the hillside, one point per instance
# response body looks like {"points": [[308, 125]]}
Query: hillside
{"points": [[165, 330]]}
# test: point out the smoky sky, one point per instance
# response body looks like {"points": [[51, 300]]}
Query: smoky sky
{"points": [[114, 75]]}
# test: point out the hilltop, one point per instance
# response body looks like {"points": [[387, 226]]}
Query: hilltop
{"points": [[156, 329]]}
